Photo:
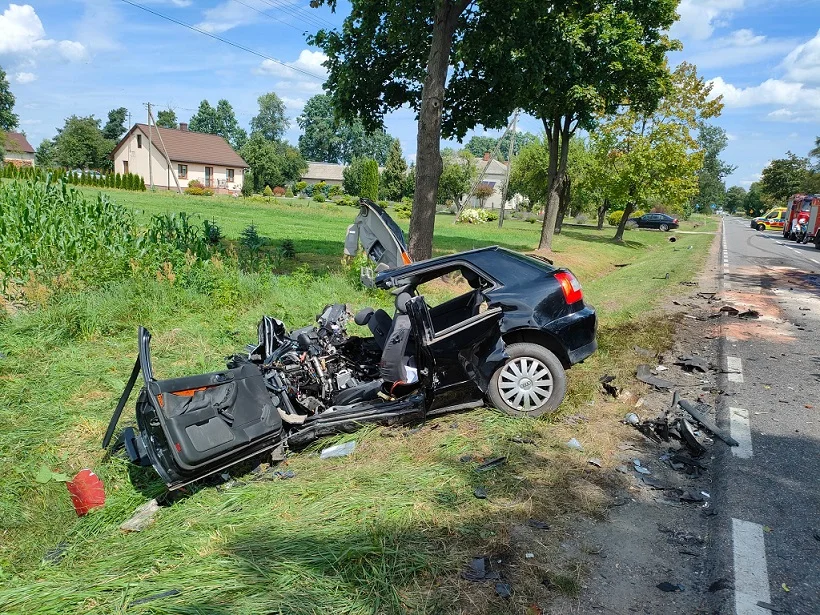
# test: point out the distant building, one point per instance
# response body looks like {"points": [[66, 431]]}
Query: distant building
{"points": [[193, 156], [331, 174], [495, 174], [17, 150]]}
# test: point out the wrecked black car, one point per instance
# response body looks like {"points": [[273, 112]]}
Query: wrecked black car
{"points": [[509, 335]]}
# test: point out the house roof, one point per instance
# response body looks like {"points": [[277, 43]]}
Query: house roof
{"points": [[16, 142], [495, 168], [324, 171], [189, 146]]}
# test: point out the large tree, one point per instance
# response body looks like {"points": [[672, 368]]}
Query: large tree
{"points": [[204, 120], [735, 199], [755, 203], [115, 126], [814, 153], [478, 145], [272, 163], [44, 156], [565, 64], [327, 138], [271, 121], [167, 118], [784, 177], [219, 121], [457, 177], [391, 54], [712, 140], [80, 144], [394, 176], [8, 119], [654, 157]]}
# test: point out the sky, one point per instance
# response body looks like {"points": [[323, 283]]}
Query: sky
{"points": [[86, 57]]}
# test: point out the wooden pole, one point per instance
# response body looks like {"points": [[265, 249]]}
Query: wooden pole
{"points": [[167, 158], [150, 166], [507, 176]]}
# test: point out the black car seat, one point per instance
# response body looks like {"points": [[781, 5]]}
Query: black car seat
{"points": [[378, 321], [398, 356]]}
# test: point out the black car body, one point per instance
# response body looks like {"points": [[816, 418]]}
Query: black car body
{"points": [[662, 222], [509, 337]]}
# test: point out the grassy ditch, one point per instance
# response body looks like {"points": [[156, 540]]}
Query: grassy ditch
{"points": [[386, 530]]}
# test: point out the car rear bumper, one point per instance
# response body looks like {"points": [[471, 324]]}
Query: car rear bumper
{"points": [[577, 333]]}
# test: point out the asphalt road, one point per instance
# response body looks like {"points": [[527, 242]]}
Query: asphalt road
{"points": [[769, 541]]}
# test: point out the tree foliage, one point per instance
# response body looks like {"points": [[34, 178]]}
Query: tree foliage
{"points": [[755, 204], [271, 121], [654, 156], [393, 177], [457, 176], [219, 121], [329, 139], [712, 140], [784, 177], [44, 155], [272, 163], [354, 177], [115, 126], [8, 119], [735, 199], [167, 118], [81, 144], [370, 180], [479, 145]]}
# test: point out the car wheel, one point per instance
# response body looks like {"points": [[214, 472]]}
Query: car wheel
{"points": [[761, 227], [532, 382], [664, 227]]}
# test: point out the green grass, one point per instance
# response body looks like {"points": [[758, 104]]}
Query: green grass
{"points": [[387, 530]]}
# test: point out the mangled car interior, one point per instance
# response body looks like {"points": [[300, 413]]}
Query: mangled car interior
{"points": [[507, 337]]}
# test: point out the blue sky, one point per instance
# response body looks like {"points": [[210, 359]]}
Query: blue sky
{"points": [[86, 57]]}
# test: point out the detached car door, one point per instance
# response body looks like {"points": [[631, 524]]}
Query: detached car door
{"points": [[380, 237], [460, 359]]}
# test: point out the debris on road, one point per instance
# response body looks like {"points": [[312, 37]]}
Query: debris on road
{"points": [[706, 422], [339, 450], [644, 374], [480, 493], [142, 517], [503, 590], [537, 525], [769, 607], [87, 492], [609, 388], [666, 586], [573, 443], [491, 464], [595, 462], [639, 468], [691, 363], [653, 483]]}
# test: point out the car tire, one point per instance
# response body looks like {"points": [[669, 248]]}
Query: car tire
{"points": [[664, 227], [517, 377], [761, 227]]}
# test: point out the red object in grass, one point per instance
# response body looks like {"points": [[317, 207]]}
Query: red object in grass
{"points": [[86, 491]]}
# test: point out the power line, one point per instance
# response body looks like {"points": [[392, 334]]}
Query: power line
{"points": [[224, 40], [268, 15], [299, 13]]}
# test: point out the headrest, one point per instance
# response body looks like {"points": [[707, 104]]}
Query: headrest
{"points": [[363, 315], [401, 302]]}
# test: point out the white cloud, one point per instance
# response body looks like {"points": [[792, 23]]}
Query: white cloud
{"points": [[23, 78], [770, 92], [699, 18], [25, 37], [739, 48], [731, 136], [745, 38], [803, 63], [308, 61]]}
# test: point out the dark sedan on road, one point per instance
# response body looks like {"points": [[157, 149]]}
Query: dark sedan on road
{"points": [[505, 333], [661, 222]]}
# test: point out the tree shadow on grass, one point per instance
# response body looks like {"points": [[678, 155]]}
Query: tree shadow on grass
{"points": [[579, 236]]}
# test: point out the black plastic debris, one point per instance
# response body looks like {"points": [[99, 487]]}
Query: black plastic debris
{"points": [[537, 525], [56, 554], [687, 436], [503, 590], [720, 584], [465, 458], [609, 388], [730, 310], [521, 440], [653, 483], [166, 594], [491, 464], [644, 374], [691, 364], [479, 570], [480, 493], [749, 315], [706, 422], [692, 495], [770, 607], [666, 586]]}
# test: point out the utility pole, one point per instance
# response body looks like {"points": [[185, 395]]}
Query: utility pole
{"points": [[150, 167], [167, 158], [509, 166]]}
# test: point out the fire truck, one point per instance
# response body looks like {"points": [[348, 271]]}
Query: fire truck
{"points": [[798, 208]]}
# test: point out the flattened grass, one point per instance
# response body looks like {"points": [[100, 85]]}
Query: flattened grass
{"points": [[386, 530]]}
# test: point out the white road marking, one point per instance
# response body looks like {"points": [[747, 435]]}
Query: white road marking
{"points": [[734, 367], [814, 261], [741, 431], [751, 571]]}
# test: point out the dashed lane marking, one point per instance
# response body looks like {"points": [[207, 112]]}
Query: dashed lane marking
{"points": [[741, 431], [751, 571], [734, 367]]}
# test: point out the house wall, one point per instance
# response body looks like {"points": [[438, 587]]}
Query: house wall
{"points": [[493, 201], [163, 178], [315, 180], [20, 159]]}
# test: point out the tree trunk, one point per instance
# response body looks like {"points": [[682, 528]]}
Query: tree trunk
{"points": [[619, 234], [558, 135], [564, 207], [428, 141], [602, 209]]}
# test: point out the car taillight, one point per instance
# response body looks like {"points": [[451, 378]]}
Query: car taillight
{"points": [[675, 221], [570, 286]]}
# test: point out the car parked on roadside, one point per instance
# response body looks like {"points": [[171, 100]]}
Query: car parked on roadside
{"points": [[663, 222], [772, 220], [507, 337]]}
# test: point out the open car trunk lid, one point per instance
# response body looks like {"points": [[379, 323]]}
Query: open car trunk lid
{"points": [[380, 237]]}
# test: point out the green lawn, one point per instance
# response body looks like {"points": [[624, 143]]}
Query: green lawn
{"points": [[387, 530]]}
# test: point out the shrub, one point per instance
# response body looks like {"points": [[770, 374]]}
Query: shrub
{"points": [[118, 181], [288, 193], [213, 234], [383, 204], [247, 189], [405, 208], [581, 218], [370, 180], [195, 183], [319, 196], [288, 249], [299, 187], [195, 191], [322, 187], [637, 213], [279, 191], [614, 218], [267, 192], [470, 215], [308, 189], [334, 191], [492, 215]]}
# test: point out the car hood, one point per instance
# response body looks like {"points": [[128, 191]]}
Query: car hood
{"points": [[380, 237]]}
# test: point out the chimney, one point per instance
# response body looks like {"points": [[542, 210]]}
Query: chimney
{"points": [[183, 127], [486, 156]]}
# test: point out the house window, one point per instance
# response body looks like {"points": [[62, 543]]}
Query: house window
{"points": [[139, 141], [182, 171], [229, 174], [125, 167]]}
